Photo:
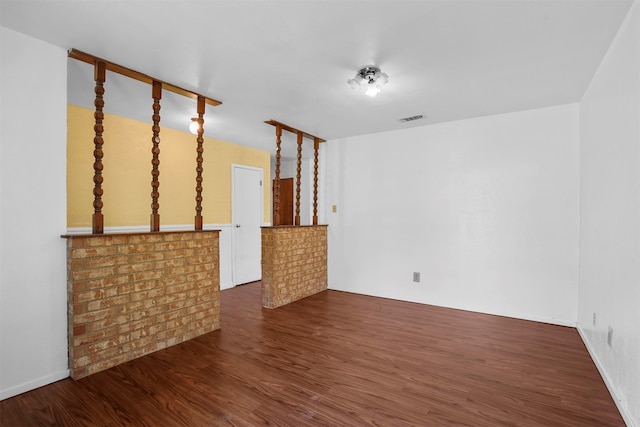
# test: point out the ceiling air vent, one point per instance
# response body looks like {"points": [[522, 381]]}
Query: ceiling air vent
{"points": [[412, 118]]}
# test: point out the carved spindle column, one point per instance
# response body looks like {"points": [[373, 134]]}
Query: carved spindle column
{"points": [[199, 159], [276, 183], [100, 75], [316, 146], [298, 176], [156, 93]]}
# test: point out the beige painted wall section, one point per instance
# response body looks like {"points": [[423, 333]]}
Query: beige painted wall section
{"points": [[127, 173]]}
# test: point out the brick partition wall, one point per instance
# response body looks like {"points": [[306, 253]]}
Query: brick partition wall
{"points": [[294, 263], [135, 293]]}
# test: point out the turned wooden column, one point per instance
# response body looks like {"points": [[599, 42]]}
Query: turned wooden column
{"points": [[100, 75], [100, 67], [276, 184], [276, 181], [298, 178], [316, 146], [199, 159], [156, 93]]}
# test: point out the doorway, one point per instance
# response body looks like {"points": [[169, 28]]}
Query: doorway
{"points": [[247, 212], [286, 200]]}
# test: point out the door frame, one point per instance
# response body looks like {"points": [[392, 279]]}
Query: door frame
{"points": [[291, 214], [235, 166]]}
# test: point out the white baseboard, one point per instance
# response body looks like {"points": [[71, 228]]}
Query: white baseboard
{"points": [[33, 384], [541, 319], [626, 416], [520, 316]]}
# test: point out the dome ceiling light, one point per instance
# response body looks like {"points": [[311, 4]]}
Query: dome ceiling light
{"points": [[369, 79]]}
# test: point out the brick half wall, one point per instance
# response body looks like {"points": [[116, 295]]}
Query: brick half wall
{"points": [[294, 263], [135, 293]]}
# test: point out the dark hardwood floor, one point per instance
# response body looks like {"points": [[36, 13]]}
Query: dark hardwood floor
{"points": [[340, 359]]}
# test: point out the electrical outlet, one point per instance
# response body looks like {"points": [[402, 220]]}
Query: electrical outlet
{"points": [[334, 208], [610, 336], [416, 276], [594, 320]]}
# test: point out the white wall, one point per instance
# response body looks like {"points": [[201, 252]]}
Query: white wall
{"points": [[33, 297], [610, 217], [485, 209]]}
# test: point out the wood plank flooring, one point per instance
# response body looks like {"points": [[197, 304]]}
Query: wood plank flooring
{"points": [[340, 359]]}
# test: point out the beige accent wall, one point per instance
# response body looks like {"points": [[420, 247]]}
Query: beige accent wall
{"points": [[127, 173]]}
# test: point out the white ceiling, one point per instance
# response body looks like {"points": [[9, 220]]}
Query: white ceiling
{"points": [[290, 60]]}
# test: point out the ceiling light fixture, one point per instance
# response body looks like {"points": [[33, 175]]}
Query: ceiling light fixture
{"points": [[369, 79], [194, 125]]}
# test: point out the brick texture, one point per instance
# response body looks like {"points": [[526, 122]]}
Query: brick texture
{"points": [[294, 263], [133, 294]]}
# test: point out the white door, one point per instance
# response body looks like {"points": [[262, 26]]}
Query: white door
{"points": [[247, 211]]}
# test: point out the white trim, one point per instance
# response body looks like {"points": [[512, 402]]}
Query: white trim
{"points": [[626, 416], [107, 230], [33, 384], [226, 254], [539, 319], [144, 228], [519, 316]]}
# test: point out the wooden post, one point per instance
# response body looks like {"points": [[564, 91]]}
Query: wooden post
{"points": [[100, 75], [316, 146], [298, 176], [276, 184], [199, 150], [156, 94]]}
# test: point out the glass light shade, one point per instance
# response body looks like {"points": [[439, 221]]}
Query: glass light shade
{"points": [[355, 82], [194, 126], [369, 80], [372, 90]]}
